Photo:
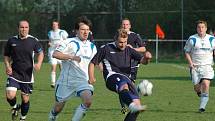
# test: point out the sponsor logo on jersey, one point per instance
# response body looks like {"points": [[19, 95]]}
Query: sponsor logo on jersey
{"points": [[14, 45]]}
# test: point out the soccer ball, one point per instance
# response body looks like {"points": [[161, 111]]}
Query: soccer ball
{"points": [[145, 88]]}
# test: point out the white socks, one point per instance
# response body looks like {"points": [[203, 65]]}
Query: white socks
{"points": [[204, 100], [53, 78], [79, 113]]}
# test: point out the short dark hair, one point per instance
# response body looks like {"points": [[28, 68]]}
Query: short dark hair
{"points": [[201, 22], [55, 20], [82, 19], [20, 22]]}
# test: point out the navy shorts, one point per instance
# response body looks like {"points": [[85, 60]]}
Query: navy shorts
{"points": [[24, 87], [115, 81]]}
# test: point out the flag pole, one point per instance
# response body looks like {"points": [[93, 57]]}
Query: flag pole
{"points": [[156, 51]]}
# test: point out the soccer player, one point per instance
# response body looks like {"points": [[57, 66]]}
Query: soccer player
{"points": [[135, 42], [56, 36], [116, 59], [19, 63], [76, 54], [199, 54]]}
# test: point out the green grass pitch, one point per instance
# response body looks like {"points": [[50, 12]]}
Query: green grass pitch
{"points": [[173, 98]]}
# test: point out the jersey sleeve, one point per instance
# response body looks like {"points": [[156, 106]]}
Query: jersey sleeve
{"points": [[99, 56], [67, 47], [212, 41], [38, 47], [189, 44], [7, 49], [94, 49], [64, 34], [139, 41], [49, 34]]}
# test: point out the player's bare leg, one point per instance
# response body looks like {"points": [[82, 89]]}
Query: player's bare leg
{"points": [[197, 89], [133, 104], [204, 95], [58, 107], [53, 75], [11, 99], [81, 110]]}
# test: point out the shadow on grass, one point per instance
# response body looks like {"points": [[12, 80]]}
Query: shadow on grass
{"points": [[166, 78], [173, 79], [177, 111]]}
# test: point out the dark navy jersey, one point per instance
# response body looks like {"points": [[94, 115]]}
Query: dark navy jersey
{"points": [[21, 53], [115, 60], [135, 40]]}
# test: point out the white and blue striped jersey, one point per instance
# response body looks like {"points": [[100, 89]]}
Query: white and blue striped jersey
{"points": [[55, 37], [200, 49], [72, 71]]}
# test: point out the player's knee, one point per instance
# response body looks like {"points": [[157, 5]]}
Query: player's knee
{"points": [[123, 87], [87, 103], [25, 98], [10, 97], [197, 88], [205, 85], [10, 94], [58, 109]]}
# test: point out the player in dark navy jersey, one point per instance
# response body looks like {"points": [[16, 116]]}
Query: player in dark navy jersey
{"points": [[19, 63], [116, 59], [134, 41]]}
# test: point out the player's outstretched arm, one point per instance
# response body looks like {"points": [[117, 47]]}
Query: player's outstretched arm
{"points": [[91, 69], [62, 56], [140, 49]]}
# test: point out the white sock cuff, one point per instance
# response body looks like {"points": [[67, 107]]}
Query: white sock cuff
{"points": [[83, 107]]}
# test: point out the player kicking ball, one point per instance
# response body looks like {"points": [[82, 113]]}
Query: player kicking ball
{"points": [[116, 59]]}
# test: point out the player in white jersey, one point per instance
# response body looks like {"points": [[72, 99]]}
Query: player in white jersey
{"points": [[199, 54], [56, 36], [76, 54]]}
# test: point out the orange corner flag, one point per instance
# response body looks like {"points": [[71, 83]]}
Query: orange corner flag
{"points": [[159, 32]]}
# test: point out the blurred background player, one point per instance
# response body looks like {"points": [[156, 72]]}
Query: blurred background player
{"points": [[19, 64], [76, 54], [199, 54], [56, 36], [116, 59]]}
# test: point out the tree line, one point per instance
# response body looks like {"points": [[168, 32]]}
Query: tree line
{"points": [[105, 16]]}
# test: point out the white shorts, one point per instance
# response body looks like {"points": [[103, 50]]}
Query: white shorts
{"points": [[52, 60], [201, 72], [65, 92]]}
